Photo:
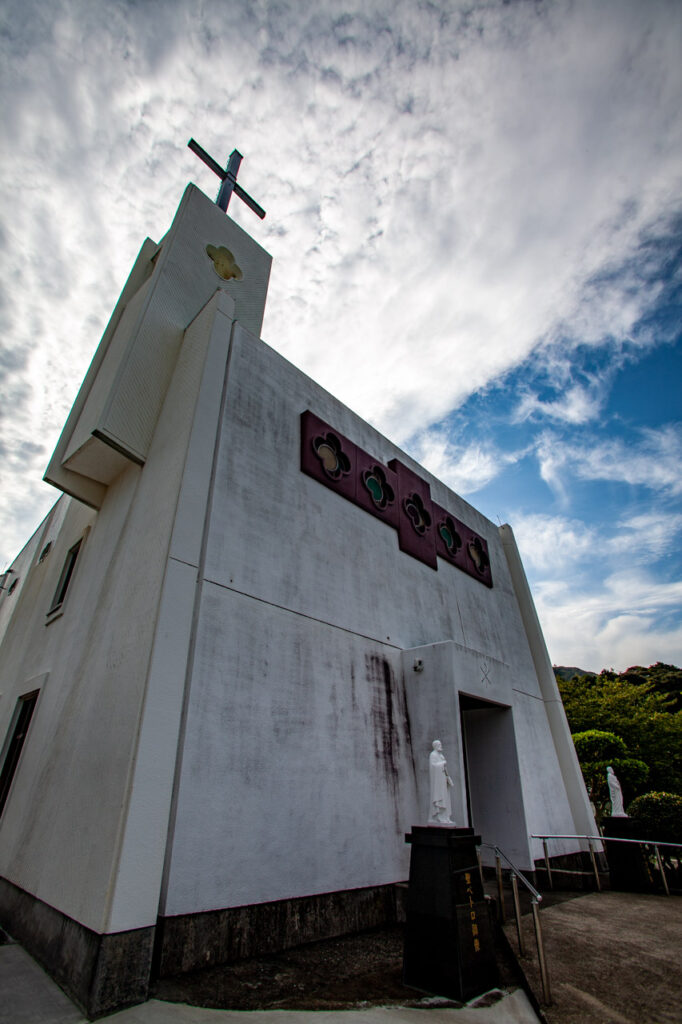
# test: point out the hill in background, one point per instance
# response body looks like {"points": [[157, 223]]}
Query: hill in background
{"points": [[660, 678], [567, 672]]}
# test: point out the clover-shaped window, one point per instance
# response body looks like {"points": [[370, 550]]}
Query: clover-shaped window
{"points": [[224, 263], [450, 536], [478, 556], [380, 491], [417, 514], [335, 462]]}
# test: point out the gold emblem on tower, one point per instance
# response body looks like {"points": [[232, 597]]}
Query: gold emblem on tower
{"points": [[224, 263]]}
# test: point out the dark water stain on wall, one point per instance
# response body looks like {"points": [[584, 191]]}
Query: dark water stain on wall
{"points": [[353, 689], [389, 717]]}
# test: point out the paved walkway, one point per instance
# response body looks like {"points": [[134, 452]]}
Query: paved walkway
{"points": [[613, 958], [513, 1009]]}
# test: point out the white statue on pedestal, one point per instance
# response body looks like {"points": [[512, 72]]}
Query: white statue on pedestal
{"points": [[440, 808], [616, 794]]}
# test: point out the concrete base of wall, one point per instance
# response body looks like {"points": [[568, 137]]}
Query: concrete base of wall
{"points": [[104, 973], [101, 973], [193, 941]]}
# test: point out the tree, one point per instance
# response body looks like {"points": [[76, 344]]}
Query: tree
{"points": [[641, 716], [660, 678]]}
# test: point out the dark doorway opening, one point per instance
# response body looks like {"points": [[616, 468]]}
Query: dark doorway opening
{"points": [[492, 777]]}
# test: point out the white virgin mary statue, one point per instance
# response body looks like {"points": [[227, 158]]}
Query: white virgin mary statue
{"points": [[440, 808], [616, 794]]}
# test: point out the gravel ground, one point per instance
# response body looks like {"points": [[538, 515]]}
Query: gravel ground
{"points": [[337, 974]]}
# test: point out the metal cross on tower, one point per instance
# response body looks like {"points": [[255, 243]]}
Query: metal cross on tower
{"points": [[228, 178]]}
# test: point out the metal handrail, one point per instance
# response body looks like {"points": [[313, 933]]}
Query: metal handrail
{"points": [[517, 872], [535, 901], [590, 840], [610, 839]]}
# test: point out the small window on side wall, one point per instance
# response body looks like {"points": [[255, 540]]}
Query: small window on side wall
{"points": [[22, 720], [65, 578]]}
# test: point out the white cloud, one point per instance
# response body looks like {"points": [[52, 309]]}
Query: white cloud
{"points": [[625, 621], [648, 535], [554, 542], [464, 468], [654, 463], [574, 547], [594, 612], [444, 186], [578, 404]]}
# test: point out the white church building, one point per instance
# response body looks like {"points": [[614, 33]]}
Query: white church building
{"points": [[228, 648]]}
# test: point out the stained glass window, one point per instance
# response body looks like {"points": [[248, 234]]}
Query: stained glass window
{"points": [[335, 462], [380, 491], [417, 514], [450, 536]]}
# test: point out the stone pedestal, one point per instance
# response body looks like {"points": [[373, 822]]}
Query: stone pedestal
{"points": [[449, 947], [629, 869]]}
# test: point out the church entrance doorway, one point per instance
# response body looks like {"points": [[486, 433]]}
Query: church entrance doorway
{"points": [[493, 784]]}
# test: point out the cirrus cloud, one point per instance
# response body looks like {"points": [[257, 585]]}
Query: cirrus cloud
{"points": [[452, 189]]}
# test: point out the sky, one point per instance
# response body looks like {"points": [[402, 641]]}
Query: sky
{"points": [[475, 215]]}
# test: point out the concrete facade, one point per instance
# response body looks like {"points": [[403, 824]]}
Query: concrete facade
{"points": [[238, 693]]}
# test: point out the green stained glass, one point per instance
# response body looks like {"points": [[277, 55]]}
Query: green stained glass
{"points": [[447, 536], [374, 488]]}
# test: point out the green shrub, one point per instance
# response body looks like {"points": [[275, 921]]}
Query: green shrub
{"points": [[658, 816], [596, 745]]}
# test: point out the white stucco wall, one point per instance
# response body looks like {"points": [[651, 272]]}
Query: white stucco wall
{"points": [[296, 764], [289, 784], [85, 825], [581, 814]]}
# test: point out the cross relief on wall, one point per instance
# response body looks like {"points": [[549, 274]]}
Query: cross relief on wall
{"points": [[396, 495]]}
